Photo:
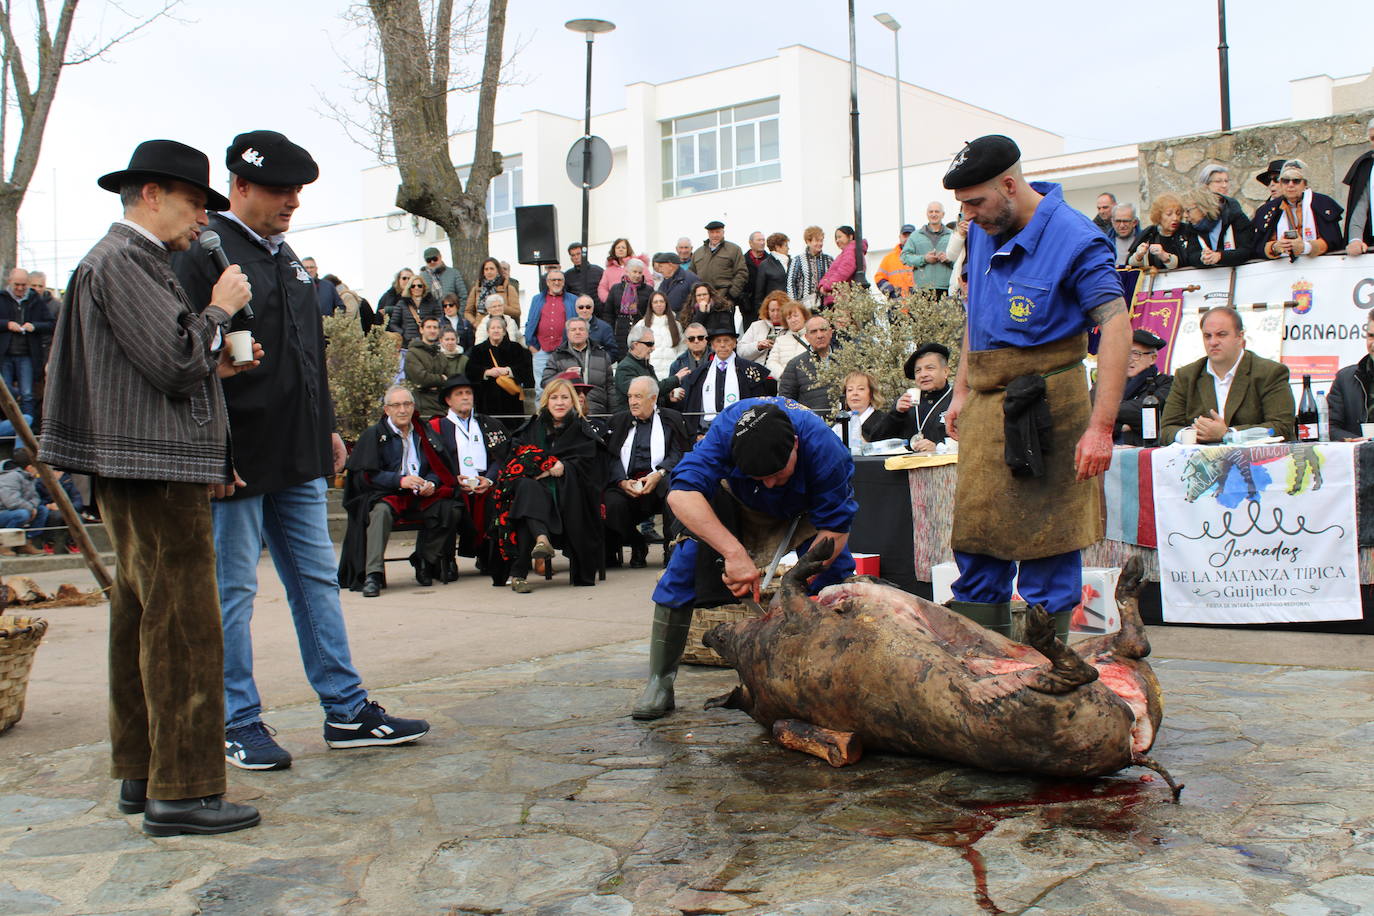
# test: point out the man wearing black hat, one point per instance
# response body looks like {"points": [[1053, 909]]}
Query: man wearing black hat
{"points": [[475, 448], [1030, 441], [284, 444], [721, 264], [1270, 177], [921, 417], [677, 280], [723, 379], [134, 399], [763, 463], [1142, 378]]}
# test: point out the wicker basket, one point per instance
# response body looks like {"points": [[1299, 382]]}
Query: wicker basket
{"points": [[19, 637], [704, 618]]}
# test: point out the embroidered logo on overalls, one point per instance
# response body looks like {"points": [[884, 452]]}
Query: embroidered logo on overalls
{"points": [[1020, 308]]}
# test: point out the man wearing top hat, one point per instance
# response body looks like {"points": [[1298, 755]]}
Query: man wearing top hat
{"points": [[475, 448], [1040, 277], [921, 418], [762, 464], [1143, 378], [722, 380], [134, 399], [721, 264], [282, 422]]}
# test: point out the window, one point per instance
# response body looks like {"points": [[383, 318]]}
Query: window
{"points": [[719, 149]]}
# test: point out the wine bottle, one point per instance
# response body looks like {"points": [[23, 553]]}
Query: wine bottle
{"points": [[1307, 413], [1149, 420]]}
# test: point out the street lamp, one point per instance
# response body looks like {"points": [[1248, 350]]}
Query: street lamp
{"points": [[591, 28], [893, 25]]}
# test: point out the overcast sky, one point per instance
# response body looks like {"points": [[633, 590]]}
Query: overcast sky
{"points": [[1097, 73]]}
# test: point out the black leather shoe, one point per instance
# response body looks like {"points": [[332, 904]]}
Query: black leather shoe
{"points": [[638, 556], [133, 794], [372, 585], [208, 815], [422, 574], [450, 570]]}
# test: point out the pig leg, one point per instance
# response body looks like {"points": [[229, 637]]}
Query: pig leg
{"points": [[1067, 670], [738, 698], [835, 748]]}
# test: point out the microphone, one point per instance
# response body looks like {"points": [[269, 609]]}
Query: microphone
{"points": [[209, 241]]}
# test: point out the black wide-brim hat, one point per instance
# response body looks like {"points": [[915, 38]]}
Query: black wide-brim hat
{"points": [[1267, 177], [168, 159], [453, 381], [719, 323]]}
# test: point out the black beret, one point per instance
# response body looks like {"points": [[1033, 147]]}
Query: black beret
{"points": [[1146, 339], [909, 370], [268, 158], [981, 160], [714, 224], [667, 257], [763, 440]]}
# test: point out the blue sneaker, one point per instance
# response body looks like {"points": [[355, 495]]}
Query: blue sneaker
{"points": [[250, 747], [372, 727]]}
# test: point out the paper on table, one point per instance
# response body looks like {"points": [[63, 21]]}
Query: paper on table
{"points": [[906, 462]]}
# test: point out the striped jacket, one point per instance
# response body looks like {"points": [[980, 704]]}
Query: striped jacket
{"points": [[132, 391]]}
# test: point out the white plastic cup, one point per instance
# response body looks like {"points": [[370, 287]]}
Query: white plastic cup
{"points": [[240, 347], [1367, 430]]}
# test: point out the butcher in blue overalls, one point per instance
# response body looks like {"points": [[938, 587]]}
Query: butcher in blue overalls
{"points": [[1031, 442], [773, 456]]}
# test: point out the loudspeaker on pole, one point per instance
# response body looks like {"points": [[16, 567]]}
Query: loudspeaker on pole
{"points": [[536, 234]]}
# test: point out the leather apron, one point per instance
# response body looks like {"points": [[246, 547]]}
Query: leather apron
{"points": [[1025, 518]]}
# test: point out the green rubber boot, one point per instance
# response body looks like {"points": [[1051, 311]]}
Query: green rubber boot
{"points": [[991, 616], [1061, 625], [666, 642]]}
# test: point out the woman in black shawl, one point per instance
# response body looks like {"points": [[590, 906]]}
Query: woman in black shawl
{"points": [[493, 358], [549, 493]]}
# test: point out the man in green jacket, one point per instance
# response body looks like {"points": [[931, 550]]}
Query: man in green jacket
{"points": [[925, 251], [426, 369], [1250, 391], [722, 265]]}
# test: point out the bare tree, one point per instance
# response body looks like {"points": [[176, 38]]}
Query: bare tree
{"points": [[423, 46], [33, 96]]}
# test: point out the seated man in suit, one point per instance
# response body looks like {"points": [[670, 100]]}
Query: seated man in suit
{"points": [[1228, 389], [646, 442], [475, 448], [396, 473], [720, 381]]}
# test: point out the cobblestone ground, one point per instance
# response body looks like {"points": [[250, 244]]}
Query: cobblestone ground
{"points": [[535, 793]]}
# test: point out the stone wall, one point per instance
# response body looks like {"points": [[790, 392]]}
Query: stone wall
{"points": [[1328, 146]]}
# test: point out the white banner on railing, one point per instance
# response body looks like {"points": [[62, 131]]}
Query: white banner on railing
{"points": [[1320, 334], [1257, 534]]}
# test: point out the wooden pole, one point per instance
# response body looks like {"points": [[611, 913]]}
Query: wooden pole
{"points": [[59, 495]]}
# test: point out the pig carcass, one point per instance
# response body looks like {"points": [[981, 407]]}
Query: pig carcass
{"points": [[906, 675]]}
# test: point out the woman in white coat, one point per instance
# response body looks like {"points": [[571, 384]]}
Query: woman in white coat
{"points": [[668, 342]]}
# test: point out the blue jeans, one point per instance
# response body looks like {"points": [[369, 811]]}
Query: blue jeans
{"points": [[1055, 583], [18, 374], [40, 520], [14, 518], [294, 524], [540, 359]]}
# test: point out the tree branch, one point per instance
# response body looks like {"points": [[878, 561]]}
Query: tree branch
{"points": [[86, 54]]}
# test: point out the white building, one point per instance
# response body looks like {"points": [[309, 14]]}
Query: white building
{"points": [[763, 145]]}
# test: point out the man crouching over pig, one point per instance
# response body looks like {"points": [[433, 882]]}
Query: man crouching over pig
{"points": [[763, 463]]}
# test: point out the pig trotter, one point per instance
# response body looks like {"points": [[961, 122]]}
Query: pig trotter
{"points": [[1067, 669], [794, 580], [836, 748], [1141, 760], [738, 698]]}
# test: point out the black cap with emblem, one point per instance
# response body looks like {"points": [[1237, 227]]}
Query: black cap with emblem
{"points": [[266, 157], [981, 160], [763, 440]]}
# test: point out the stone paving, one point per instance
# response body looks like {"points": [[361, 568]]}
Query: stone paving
{"points": [[536, 794]]}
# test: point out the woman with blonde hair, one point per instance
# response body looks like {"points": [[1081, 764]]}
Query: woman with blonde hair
{"points": [[548, 496], [861, 398], [1220, 236], [1163, 245]]}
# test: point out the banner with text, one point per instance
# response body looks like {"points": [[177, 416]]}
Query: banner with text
{"points": [[1257, 534], [1321, 332]]}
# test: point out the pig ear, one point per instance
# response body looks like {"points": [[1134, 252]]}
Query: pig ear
{"points": [[1128, 586]]}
